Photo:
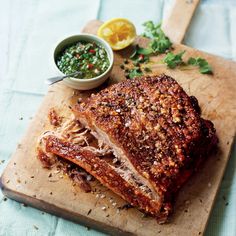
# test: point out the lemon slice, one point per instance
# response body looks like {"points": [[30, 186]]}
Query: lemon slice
{"points": [[118, 32]]}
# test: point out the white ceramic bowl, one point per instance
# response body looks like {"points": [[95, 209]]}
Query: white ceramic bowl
{"points": [[84, 84]]}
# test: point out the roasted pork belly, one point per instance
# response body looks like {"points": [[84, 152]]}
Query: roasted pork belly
{"points": [[154, 135]]}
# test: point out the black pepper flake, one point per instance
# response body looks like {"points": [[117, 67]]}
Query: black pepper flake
{"points": [[199, 233], [226, 204], [4, 199], [50, 193], [35, 227], [89, 212], [126, 61], [186, 210], [107, 215], [224, 198], [21, 118], [32, 177], [125, 206], [122, 66]]}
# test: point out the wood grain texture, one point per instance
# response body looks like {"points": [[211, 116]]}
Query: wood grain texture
{"points": [[176, 25], [26, 181]]}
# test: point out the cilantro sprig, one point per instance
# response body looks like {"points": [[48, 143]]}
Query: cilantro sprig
{"points": [[159, 44], [173, 60], [203, 65]]}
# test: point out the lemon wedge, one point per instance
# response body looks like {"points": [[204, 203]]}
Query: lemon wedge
{"points": [[118, 32]]}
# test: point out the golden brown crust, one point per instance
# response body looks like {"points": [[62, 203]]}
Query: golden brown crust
{"points": [[153, 121]]}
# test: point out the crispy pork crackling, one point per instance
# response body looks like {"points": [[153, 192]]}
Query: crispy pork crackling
{"points": [[155, 139]]}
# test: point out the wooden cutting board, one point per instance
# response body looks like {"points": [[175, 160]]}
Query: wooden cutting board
{"points": [[26, 181]]}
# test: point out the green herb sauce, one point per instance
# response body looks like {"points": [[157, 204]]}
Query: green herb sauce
{"points": [[89, 58]]}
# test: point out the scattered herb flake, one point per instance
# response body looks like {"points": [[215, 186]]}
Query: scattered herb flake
{"points": [[147, 69], [136, 72]]}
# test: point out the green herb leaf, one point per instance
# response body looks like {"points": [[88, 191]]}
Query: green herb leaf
{"points": [[140, 55], [151, 30], [147, 69], [173, 60], [203, 65], [145, 51], [136, 72], [160, 43]]}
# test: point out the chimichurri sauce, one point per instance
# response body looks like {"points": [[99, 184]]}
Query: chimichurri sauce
{"points": [[89, 58]]}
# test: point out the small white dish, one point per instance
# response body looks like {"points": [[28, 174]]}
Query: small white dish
{"points": [[84, 84]]}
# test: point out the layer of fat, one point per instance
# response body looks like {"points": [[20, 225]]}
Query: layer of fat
{"points": [[129, 172]]}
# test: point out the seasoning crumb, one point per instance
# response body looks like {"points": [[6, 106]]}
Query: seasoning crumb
{"points": [[32, 176], [226, 204], [199, 233], [107, 215], [50, 175], [125, 206], [18, 181], [35, 227], [4, 199], [103, 196], [8, 181], [187, 202], [159, 232], [89, 212], [103, 208], [14, 163]]}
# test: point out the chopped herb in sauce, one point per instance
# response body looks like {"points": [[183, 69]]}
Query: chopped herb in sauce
{"points": [[89, 58]]}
